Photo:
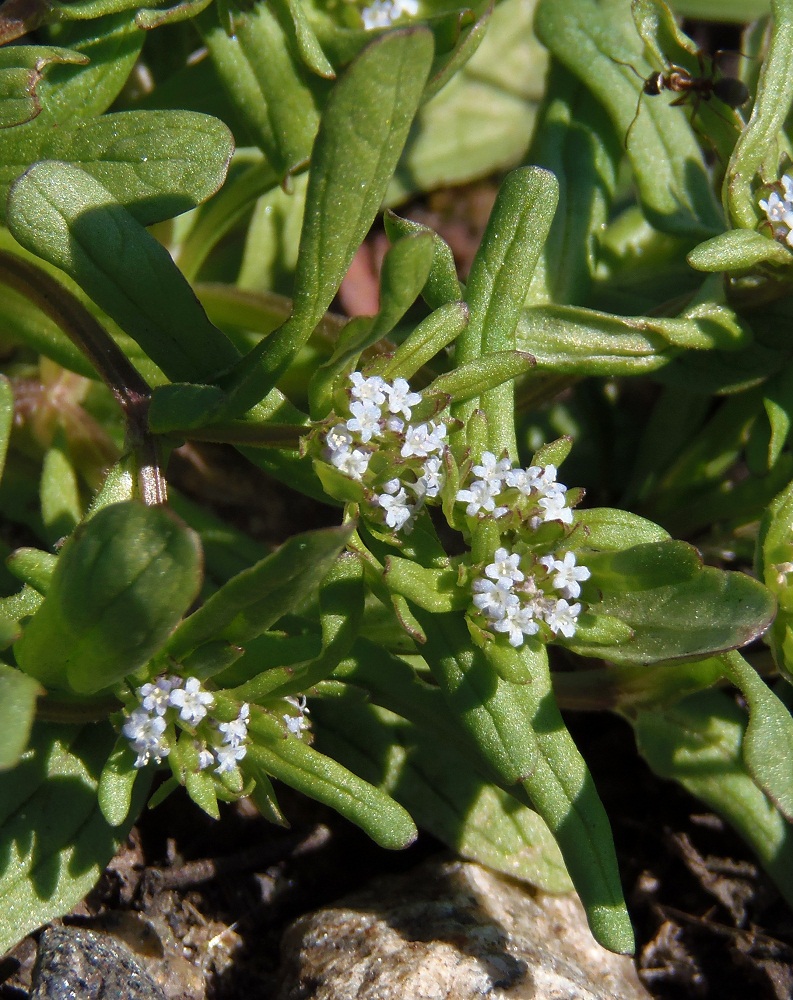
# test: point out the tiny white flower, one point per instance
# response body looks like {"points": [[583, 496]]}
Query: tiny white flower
{"points": [[154, 697], [339, 439], [145, 733], [491, 469], [568, 576], [787, 187], [554, 509], [379, 14], [431, 479], [396, 507], [422, 440], [352, 463], [297, 723], [401, 399], [394, 425], [365, 420], [561, 617], [372, 389], [236, 731], [479, 496], [409, 7], [205, 759], [227, 757], [526, 481], [774, 207], [192, 701], [494, 598], [517, 622], [505, 567]]}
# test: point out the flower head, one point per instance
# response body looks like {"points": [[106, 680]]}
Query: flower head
{"points": [[145, 734], [192, 701]]}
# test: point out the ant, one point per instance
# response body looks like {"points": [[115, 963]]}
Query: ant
{"points": [[691, 89]]}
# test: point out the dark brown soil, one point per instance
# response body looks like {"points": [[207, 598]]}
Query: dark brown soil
{"points": [[709, 923]]}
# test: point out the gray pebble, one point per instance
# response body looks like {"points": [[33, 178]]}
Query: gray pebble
{"points": [[77, 964]]}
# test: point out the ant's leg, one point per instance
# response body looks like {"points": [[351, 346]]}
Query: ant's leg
{"points": [[635, 117]]}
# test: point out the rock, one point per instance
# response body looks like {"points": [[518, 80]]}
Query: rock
{"points": [[74, 962], [451, 931]]}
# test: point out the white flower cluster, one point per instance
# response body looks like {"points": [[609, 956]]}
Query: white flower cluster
{"points": [[383, 13], [169, 701], [533, 494], [779, 211], [517, 602], [381, 412]]}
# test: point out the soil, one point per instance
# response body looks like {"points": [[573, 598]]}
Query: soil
{"points": [[709, 924]]}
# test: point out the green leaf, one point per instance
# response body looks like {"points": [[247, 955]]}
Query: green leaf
{"points": [[21, 72], [710, 612], [697, 743], [252, 601], [494, 97], [437, 331], [762, 142], [56, 843], [497, 287], [156, 164], [440, 790], [265, 81], [403, 274], [468, 380], [576, 142], [123, 581], [307, 43], [319, 777], [593, 40], [519, 733], [116, 783], [775, 565], [434, 590], [109, 47], [644, 567], [607, 529], [18, 694], [768, 742], [33, 566], [263, 795], [442, 285], [64, 216], [575, 341], [341, 604], [61, 507], [6, 418], [738, 250], [363, 130], [200, 784]]}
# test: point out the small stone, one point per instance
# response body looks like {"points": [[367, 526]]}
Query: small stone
{"points": [[75, 962], [452, 931]]}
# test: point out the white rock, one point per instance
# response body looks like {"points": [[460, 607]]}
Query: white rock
{"points": [[452, 931]]}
